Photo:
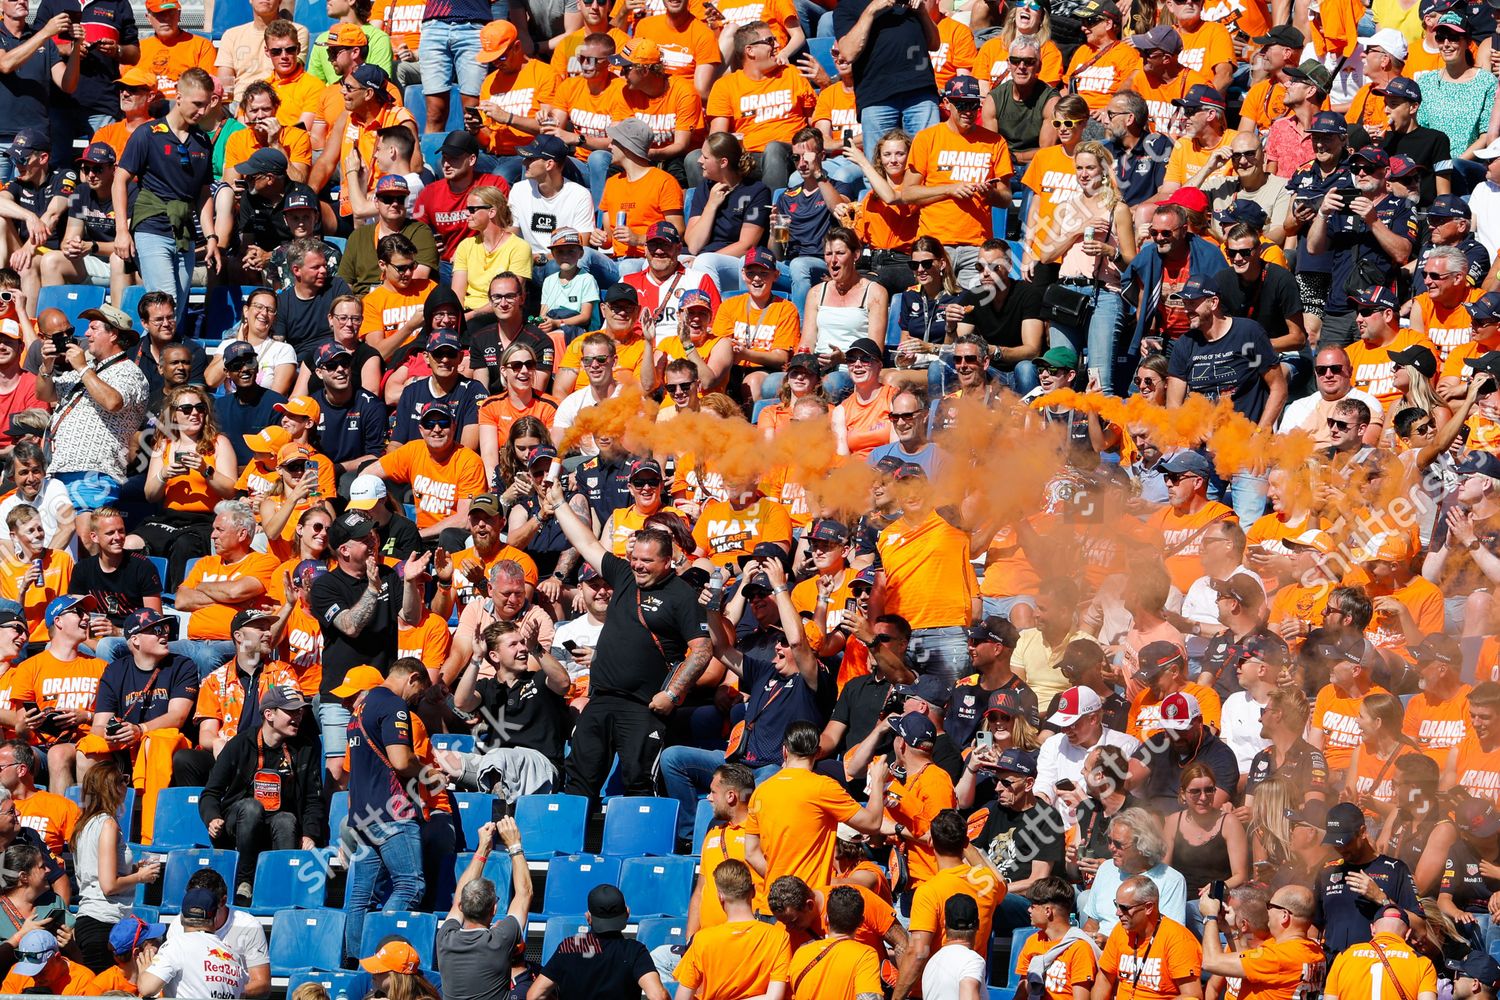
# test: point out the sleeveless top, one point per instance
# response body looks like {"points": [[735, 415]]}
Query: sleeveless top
{"points": [[1077, 264], [1201, 864], [867, 426], [840, 326], [189, 492], [1020, 121], [92, 902]]}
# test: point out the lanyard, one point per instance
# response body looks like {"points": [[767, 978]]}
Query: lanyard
{"points": [[1140, 966], [260, 752]]}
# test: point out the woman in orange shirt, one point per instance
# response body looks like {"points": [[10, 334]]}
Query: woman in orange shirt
{"points": [[297, 489], [518, 400], [192, 468], [1029, 19], [800, 382], [862, 422], [887, 227], [1370, 781]]}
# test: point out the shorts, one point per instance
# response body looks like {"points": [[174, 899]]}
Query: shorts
{"points": [[89, 490], [450, 50], [97, 270], [333, 724], [1314, 286], [1003, 606]]}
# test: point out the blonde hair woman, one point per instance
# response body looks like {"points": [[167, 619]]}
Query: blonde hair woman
{"points": [[492, 248]]}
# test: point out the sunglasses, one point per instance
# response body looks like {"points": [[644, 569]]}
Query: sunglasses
{"points": [[965, 359], [435, 423], [923, 265], [681, 388], [1244, 253], [1164, 234], [760, 41], [1177, 477], [392, 199], [1066, 122], [1243, 157], [964, 107], [295, 468], [444, 354], [1120, 845], [518, 366], [1147, 383], [1436, 276], [903, 417], [350, 88], [1369, 310], [1449, 36], [1338, 425], [591, 362], [646, 482], [403, 268], [191, 408], [241, 365], [1199, 793], [1361, 167], [284, 50], [471, 209], [1328, 369], [1023, 60]]}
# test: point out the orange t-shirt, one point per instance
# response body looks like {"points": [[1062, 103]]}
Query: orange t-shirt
{"points": [[1182, 539], [867, 426], [499, 412], [114, 135], [1445, 328], [1357, 971], [1376, 776], [975, 881], [62, 976], [401, 19], [1264, 103], [112, 979], [386, 308], [572, 41], [359, 136], [436, 484], [956, 51], [682, 52], [796, 814], [942, 156], [1174, 954], [1478, 769], [913, 802], [1334, 28], [1205, 47], [676, 109], [773, 109], [1336, 716], [301, 93], [53, 817], [1437, 727], [53, 683], [1159, 97], [169, 62], [727, 533], [887, 227], [992, 63], [295, 142], [835, 970], [776, 327], [1367, 109], [1453, 364], [1053, 179], [463, 590], [1074, 966], [630, 356], [57, 570], [1375, 372], [590, 114], [645, 202], [1188, 158], [723, 842], [1253, 17], [1282, 970], [212, 621], [1097, 77], [1007, 571], [1145, 710], [222, 694], [533, 86], [1303, 603], [929, 579], [428, 641], [732, 960], [836, 107], [302, 648]]}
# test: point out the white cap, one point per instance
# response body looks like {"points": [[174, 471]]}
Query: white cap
{"points": [[847, 832], [365, 492], [1179, 710], [1388, 40], [1489, 152], [1073, 704]]}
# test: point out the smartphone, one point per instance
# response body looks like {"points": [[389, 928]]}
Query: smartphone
{"points": [[570, 645], [29, 706], [500, 809], [851, 604], [1347, 194], [61, 342], [985, 740], [1064, 785], [848, 137], [114, 725], [1218, 890]]}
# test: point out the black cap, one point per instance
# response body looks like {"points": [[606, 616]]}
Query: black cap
{"points": [[1156, 657], [621, 292], [961, 913], [349, 525], [1282, 34], [1345, 822], [864, 345], [995, 628], [1419, 357], [263, 161], [460, 143], [607, 909]]}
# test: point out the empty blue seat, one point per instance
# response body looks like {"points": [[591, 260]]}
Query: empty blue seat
{"points": [[551, 824], [637, 825], [703, 820], [130, 302], [342, 983], [653, 932], [657, 886], [177, 821], [73, 300], [457, 742], [1018, 939], [417, 929], [497, 869], [183, 864], [306, 939], [286, 879], [338, 812], [74, 794], [474, 810], [559, 929], [569, 880]]}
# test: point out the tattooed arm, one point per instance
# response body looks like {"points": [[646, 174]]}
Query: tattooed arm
{"points": [[352, 621]]}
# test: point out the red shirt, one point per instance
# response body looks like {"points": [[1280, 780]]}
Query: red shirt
{"points": [[443, 210], [23, 397], [650, 294], [1174, 317]]}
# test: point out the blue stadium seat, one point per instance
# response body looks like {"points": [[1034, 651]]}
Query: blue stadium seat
{"points": [[1018, 939], [418, 929], [634, 826], [497, 869], [148, 914], [821, 49], [160, 564], [338, 811], [177, 821], [416, 102], [702, 820], [474, 810], [314, 17], [653, 932], [1002, 993], [72, 300], [761, 404], [570, 878], [130, 302], [288, 879], [342, 242], [457, 742], [551, 824], [74, 794], [222, 307], [306, 939], [559, 929], [183, 864], [342, 983], [658, 886]]}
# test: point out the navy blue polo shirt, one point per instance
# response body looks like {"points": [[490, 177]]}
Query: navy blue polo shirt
{"points": [[354, 429], [464, 400], [810, 215], [1140, 170], [26, 91], [775, 700], [1358, 260], [36, 197], [606, 484], [97, 92], [1311, 184], [246, 412], [171, 169], [97, 213]]}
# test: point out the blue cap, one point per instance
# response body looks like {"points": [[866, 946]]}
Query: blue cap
{"points": [[28, 141], [930, 688], [236, 351], [1246, 211], [546, 147], [1399, 87], [140, 621], [1191, 462], [439, 339], [1328, 123], [866, 577], [758, 257], [828, 529], [1486, 308], [329, 351], [913, 727], [1200, 95], [372, 76], [1194, 289], [1379, 297], [1477, 966], [35, 951], [1345, 822], [68, 602], [199, 904], [1449, 206], [1480, 463], [1014, 760], [962, 88], [131, 932]]}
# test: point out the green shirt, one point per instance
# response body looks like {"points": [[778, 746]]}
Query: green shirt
{"points": [[380, 54], [361, 266]]}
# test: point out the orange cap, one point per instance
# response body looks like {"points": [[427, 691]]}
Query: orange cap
{"points": [[1317, 540], [292, 452], [300, 406], [347, 36], [158, 6], [269, 441], [361, 678], [495, 40], [1385, 546], [138, 76], [641, 52], [394, 956]]}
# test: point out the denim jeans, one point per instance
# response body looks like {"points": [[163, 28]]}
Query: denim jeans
{"points": [[509, 167], [687, 771], [1247, 495], [724, 269], [398, 856], [776, 163], [89, 490], [599, 163], [7, 168], [942, 652], [333, 725], [447, 52], [1021, 379], [803, 272], [912, 114], [96, 122], [208, 654], [164, 268], [965, 261], [1003, 606], [1100, 342]]}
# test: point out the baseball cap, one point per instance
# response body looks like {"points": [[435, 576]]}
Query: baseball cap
{"points": [[1485, 309], [1197, 289], [865, 346], [1403, 167], [1478, 817], [930, 688], [1399, 87], [865, 577], [1384, 546], [437, 340], [298, 200], [34, 952], [12, 616], [1239, 587], [98, 152], [1014, 760], [434, 408], [995, 628], [292, 452], [1480, 463], [1314, 72], [365, 492], [459, 143], [828, 529], [1162, 38], [349, 525], [758, 257], [300, 406], [1328, 123], [1155, 657], [621, 292], [807, 362], [485, 503], [1449, 206], [132, 931], [1282, 34], [1316, 539], [639, 52], [1438, 646], [330, 351], [268, 440], [1178, 712], [495, 40], [1073, 704], [263, 161], [1453, 22], [236, 351], [607, 909], [161, 6], [544, 453], [1266, 646], [1078, 656], [1345, 822], [1191, 198], [199, 904], [961, 912], [566, 237], [1246, 211], [347, 36], [909, 471], [962, 88], [1372, 155], [664, 230], [1378, 297], [1093, 10], [641, 465], [392, 183], [28, 141], [545, 147], [67, 602], [395, 956], [143, 620], [1005, 702], [1061, 358], [357, 679], [283, 696], [372, 77], [1187, 461], [1479, 966], [1390, 41], [1488, 363], [248, 616], [1199, 95], [916, 729]]}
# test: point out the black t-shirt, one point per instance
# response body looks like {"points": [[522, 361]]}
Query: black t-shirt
{"points": [[1426, 146], [36, 197], [1234, 365], [262, 221], [600, 967], [1471, 891], [749, 203], [1345, 915], [402, 540], [98, 92], [303, 323], [534, 716], [136, 695], [335, 592], [967, 708], [1165, 765], [1268, 301], [894, 63], [97, 213], [645, 632], [1013, 840], [26, 91], [485, 350], [858, 709], [120, 593], [997, 318], [245, 411], [1305, 768]]}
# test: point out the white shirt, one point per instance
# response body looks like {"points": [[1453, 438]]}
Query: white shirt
{"points": [[1300, 411], [946, 971], [199, 966], [575, 403], [1239, 719], [1201, 604], [537, 218], [1484, 206], [1061, 758], [52, 498], [241, 932], [581, 631], [1349, 79]]}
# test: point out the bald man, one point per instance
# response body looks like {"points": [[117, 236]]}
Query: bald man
{"points": [[1357, 970], [1333, 375], [49, 323], [1285, 962]]}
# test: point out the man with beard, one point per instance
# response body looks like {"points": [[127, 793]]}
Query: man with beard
{"points": [[1266, 101], [1023, 836], [1328, 134], [444, 383], [1203, 135], [1223, 355], [1140, 154]]}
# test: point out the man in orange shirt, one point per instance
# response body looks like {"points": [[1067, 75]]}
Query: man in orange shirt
{"points": [[959, 171], [169, 50], [1206, 45], [1384, 966], [487, 546], [1474, 764], [56, 687], [1334, 726], [368, 108], [680, 45], [299, 90], [517, 99], [393, 309], [650, 91], [765, 100], [134, 944], [1437, 717], [1183, 522], [729, 793], [1176, 959], [921, 793], [741, 957], [52, 816], [444, 476], [219, 585], [264, 130], [852, 967], [1163, 669], [1266, 101], [1204, 132], [1163, 78], [1287, 966]]}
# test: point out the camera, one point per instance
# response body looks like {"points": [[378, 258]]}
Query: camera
{"points": [[1347, 194], [893, 702]]}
